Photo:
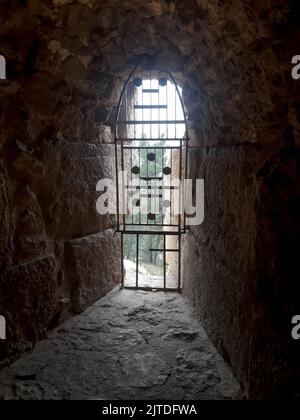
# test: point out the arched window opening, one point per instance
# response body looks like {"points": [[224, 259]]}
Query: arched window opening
{"points": [[151, 156]]}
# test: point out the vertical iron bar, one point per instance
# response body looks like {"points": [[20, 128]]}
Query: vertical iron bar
{"points": [[180, 190], [134, 113], [179, 262], [140, 208], [171, 180], [161, 200], [117, 183], [151, 115], [131, 179], [142, 77], [167, 101], [186, 176], [123, 186], [165, 262], [175, 112], [137, 260], [122, 259], [159, 131], [147, 186], [162, 172], [126, 104]]}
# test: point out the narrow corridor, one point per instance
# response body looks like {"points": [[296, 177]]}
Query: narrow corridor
{"points": [[129, 345]]}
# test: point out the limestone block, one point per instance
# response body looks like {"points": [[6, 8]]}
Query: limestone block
{"points": [[27, 301], [69, 198], [93, 267]]}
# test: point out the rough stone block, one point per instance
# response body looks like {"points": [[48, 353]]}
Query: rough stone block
{"points": [[69, 198], [27, 301], [93, 265]]}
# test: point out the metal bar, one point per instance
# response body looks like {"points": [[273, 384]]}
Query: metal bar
{"points": [[156, 148], [121, 98], [131, 178], [150, 90], [145, 224], [122, 259], [137, 260], [150, 106], [139, 188], [180, 191], [134, 113], [142, 77], [172, 188], [133, 139], [149, 232], [141, 140], [149, 122], [117, 184], [159, 132], [167, 101], [123, 195], [162, 164], [175, 112], [162, 250], [150, 289], [181, 100], [165, 262], [152, 195], [171, 179], [155, 188], [150, 178], [147, 180], [186, 177], [179, 262]]}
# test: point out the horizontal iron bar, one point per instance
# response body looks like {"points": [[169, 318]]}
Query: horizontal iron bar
{"points": [[149, 122], [150, 106], [150, 90], [152, 187], [148, 232], [150, 178], [164, 250], [149, 289], [152, 148], [151, 195], [152, 224], [184, 139]]}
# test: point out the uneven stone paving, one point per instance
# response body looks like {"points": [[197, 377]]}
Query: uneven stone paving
{"points": [[129, 345]]}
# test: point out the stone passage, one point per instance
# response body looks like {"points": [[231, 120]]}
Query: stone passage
{"points": [[129, 345]]}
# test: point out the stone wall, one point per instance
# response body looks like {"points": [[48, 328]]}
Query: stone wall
{"points": [[57, 255], [53, 260], [66, 63], [241, 264]]}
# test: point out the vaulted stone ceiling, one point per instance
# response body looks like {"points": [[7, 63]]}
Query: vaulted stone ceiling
{"points": [[226, 50]]}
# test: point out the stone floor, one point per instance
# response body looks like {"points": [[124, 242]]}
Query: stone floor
{"points": [[129, 345]]}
